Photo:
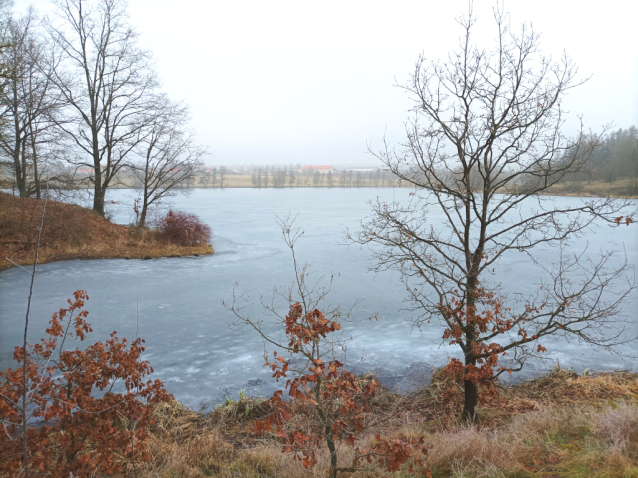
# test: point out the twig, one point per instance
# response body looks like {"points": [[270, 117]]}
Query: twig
{"points": [[25, 447], [18, 265]]}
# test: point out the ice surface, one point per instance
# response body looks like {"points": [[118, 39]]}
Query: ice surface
{"points": [[176, 302]]}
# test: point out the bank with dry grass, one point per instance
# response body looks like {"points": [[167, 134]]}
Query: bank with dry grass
{"points": [[559, 425], [621, 188], [74, 232]]}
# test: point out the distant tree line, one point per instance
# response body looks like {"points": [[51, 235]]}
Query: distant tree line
{"points": [[606, 158], [81, 106], [293, 176], [614, 158]]}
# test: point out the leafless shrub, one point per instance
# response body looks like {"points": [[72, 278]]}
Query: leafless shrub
{"points": [[182, 228]]}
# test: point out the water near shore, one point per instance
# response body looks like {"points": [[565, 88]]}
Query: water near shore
{"points": [[176, 303]]}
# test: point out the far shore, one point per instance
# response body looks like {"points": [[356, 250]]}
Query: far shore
{"points": [[622, 188]]}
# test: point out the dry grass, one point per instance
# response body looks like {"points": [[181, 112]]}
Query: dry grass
{"points": [[624, 188], [74, 232], [560, 425]]}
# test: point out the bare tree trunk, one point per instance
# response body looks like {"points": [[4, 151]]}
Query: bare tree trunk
{"points": [[25, 427], [98, 195], [20, 171], [470, 403], [144, 210], [36, 176]]}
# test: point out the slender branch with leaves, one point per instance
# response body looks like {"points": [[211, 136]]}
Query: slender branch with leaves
{"points": [[337, 400]]}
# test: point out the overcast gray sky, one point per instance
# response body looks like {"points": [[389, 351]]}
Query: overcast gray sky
{"points": [[311, 82]]}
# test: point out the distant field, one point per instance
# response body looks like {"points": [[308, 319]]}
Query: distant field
{"points": [[625, 188], [246, 181], [620, 188]]}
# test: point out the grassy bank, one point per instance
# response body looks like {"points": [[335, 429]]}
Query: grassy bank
{"points": [[74, 232], [621, 188], [559, 425]]}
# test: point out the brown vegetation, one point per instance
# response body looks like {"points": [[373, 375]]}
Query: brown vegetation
{"points": [[560, 424], [179, 227], [621, 188], [74, 232], [327, 407], [79, 433]]}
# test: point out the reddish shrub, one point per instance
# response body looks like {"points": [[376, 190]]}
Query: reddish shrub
{"points": [[340, 402], [182, 228], [87, 427]]}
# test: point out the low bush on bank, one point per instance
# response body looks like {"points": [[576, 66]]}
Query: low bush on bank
{"points": [[60, 410], [179, 227]]}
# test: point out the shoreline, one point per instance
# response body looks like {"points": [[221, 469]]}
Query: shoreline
{"points": [[592, 193], [558, 424], [169, 251]]}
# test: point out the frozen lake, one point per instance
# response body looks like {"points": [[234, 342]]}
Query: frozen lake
{"points": [[177, 301]]}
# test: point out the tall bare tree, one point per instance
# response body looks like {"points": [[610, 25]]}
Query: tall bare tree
{"points": [[484, 143], [214, 176], [167, 154], [222, 174], [106, 80], [5, 17], [29, 105]]}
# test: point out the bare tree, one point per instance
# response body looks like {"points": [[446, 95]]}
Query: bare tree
{"points": [[106, 79], [484, 142], [222, 174], [291, 176], [279, 176], [214, 177], [5, 70], [256, 177], [167, 154], [15, 122], [204, 176], [28, 105]]}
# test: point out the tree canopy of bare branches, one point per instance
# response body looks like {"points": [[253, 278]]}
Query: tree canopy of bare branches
{"points": [[30, 106], [105, 79], [484, 143], [167, 155]]}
